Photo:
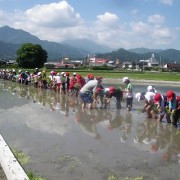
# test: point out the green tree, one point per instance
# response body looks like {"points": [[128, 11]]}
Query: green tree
{"points": [[31, 56]]}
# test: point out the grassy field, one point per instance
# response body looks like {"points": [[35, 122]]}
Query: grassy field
{"points": [[165, 76], [146, 75]]}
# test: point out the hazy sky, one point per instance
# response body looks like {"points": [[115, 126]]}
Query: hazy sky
{"points": [[115, 23]]}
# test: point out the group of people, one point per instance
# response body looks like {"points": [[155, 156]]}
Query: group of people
{"points": [[92, 92], [158, 105]]}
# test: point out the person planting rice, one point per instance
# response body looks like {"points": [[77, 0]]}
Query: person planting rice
{"points": [[160, 107], [113, 92], [173, 106], [86, 92], [148, 97]]}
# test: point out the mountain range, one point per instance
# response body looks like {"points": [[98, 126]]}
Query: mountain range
{"points": [[11, 40]]}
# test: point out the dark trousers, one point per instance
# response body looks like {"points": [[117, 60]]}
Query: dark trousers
{"points": [[176, 117], [129, 102]]}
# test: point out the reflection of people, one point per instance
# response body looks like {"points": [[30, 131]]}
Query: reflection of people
{"points": [[126, 128], [116, 121], [55, 102], [146, 131], [87, 120], [161, 137], [172, 149]]}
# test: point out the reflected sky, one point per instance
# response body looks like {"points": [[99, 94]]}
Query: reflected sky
{"points": [[64, 142]]}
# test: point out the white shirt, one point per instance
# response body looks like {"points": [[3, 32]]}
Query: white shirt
{"points": [[150, 96]]}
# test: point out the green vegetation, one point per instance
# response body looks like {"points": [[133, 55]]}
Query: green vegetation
{"points": [[126, 178], [119, 74], [24, 159], [32, 176], [31, 56], [20, 156], [164, 76]]}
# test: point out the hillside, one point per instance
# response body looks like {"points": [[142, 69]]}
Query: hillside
{"points": [[144, 50], [55, 50], [88, 45], [163, 56]]}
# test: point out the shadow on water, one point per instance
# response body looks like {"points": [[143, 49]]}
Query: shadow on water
{"points": [[64, 142]]}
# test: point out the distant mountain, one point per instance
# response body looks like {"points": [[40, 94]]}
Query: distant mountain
{"points": [[144, 50], [88, 45], [168, 55], [16, 36], [55, 50], [163, 56], [8, 50], [12, 39]]}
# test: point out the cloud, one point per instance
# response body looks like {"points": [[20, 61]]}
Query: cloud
{"points": [[53, 22], [168, 2], [59, 21], [1, 13], [140, 27], [156, 19], [108, 17], [57, 15], [162, 33]]}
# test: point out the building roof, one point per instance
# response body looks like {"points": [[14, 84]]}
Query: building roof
{"points": [[173, 65]]}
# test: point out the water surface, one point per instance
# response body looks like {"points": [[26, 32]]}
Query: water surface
{"points": [[64, 142]]}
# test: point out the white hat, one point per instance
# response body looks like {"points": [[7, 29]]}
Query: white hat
{"points": [[62, 73], [140, 96], [106, 89], [151, 89], [74, 73], [125, 79], [39, 73]]}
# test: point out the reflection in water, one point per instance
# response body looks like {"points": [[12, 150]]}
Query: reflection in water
{"points": [[135, 130], [126, 127], [162, 137], [88, 120]]}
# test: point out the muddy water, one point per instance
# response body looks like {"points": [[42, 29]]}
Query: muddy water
{"points": [[64, 143]]}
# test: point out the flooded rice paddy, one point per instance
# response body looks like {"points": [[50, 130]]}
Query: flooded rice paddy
{"points": [[65, 143]]}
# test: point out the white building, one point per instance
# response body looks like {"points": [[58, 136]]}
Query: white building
{"points": [[151, 62]]}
